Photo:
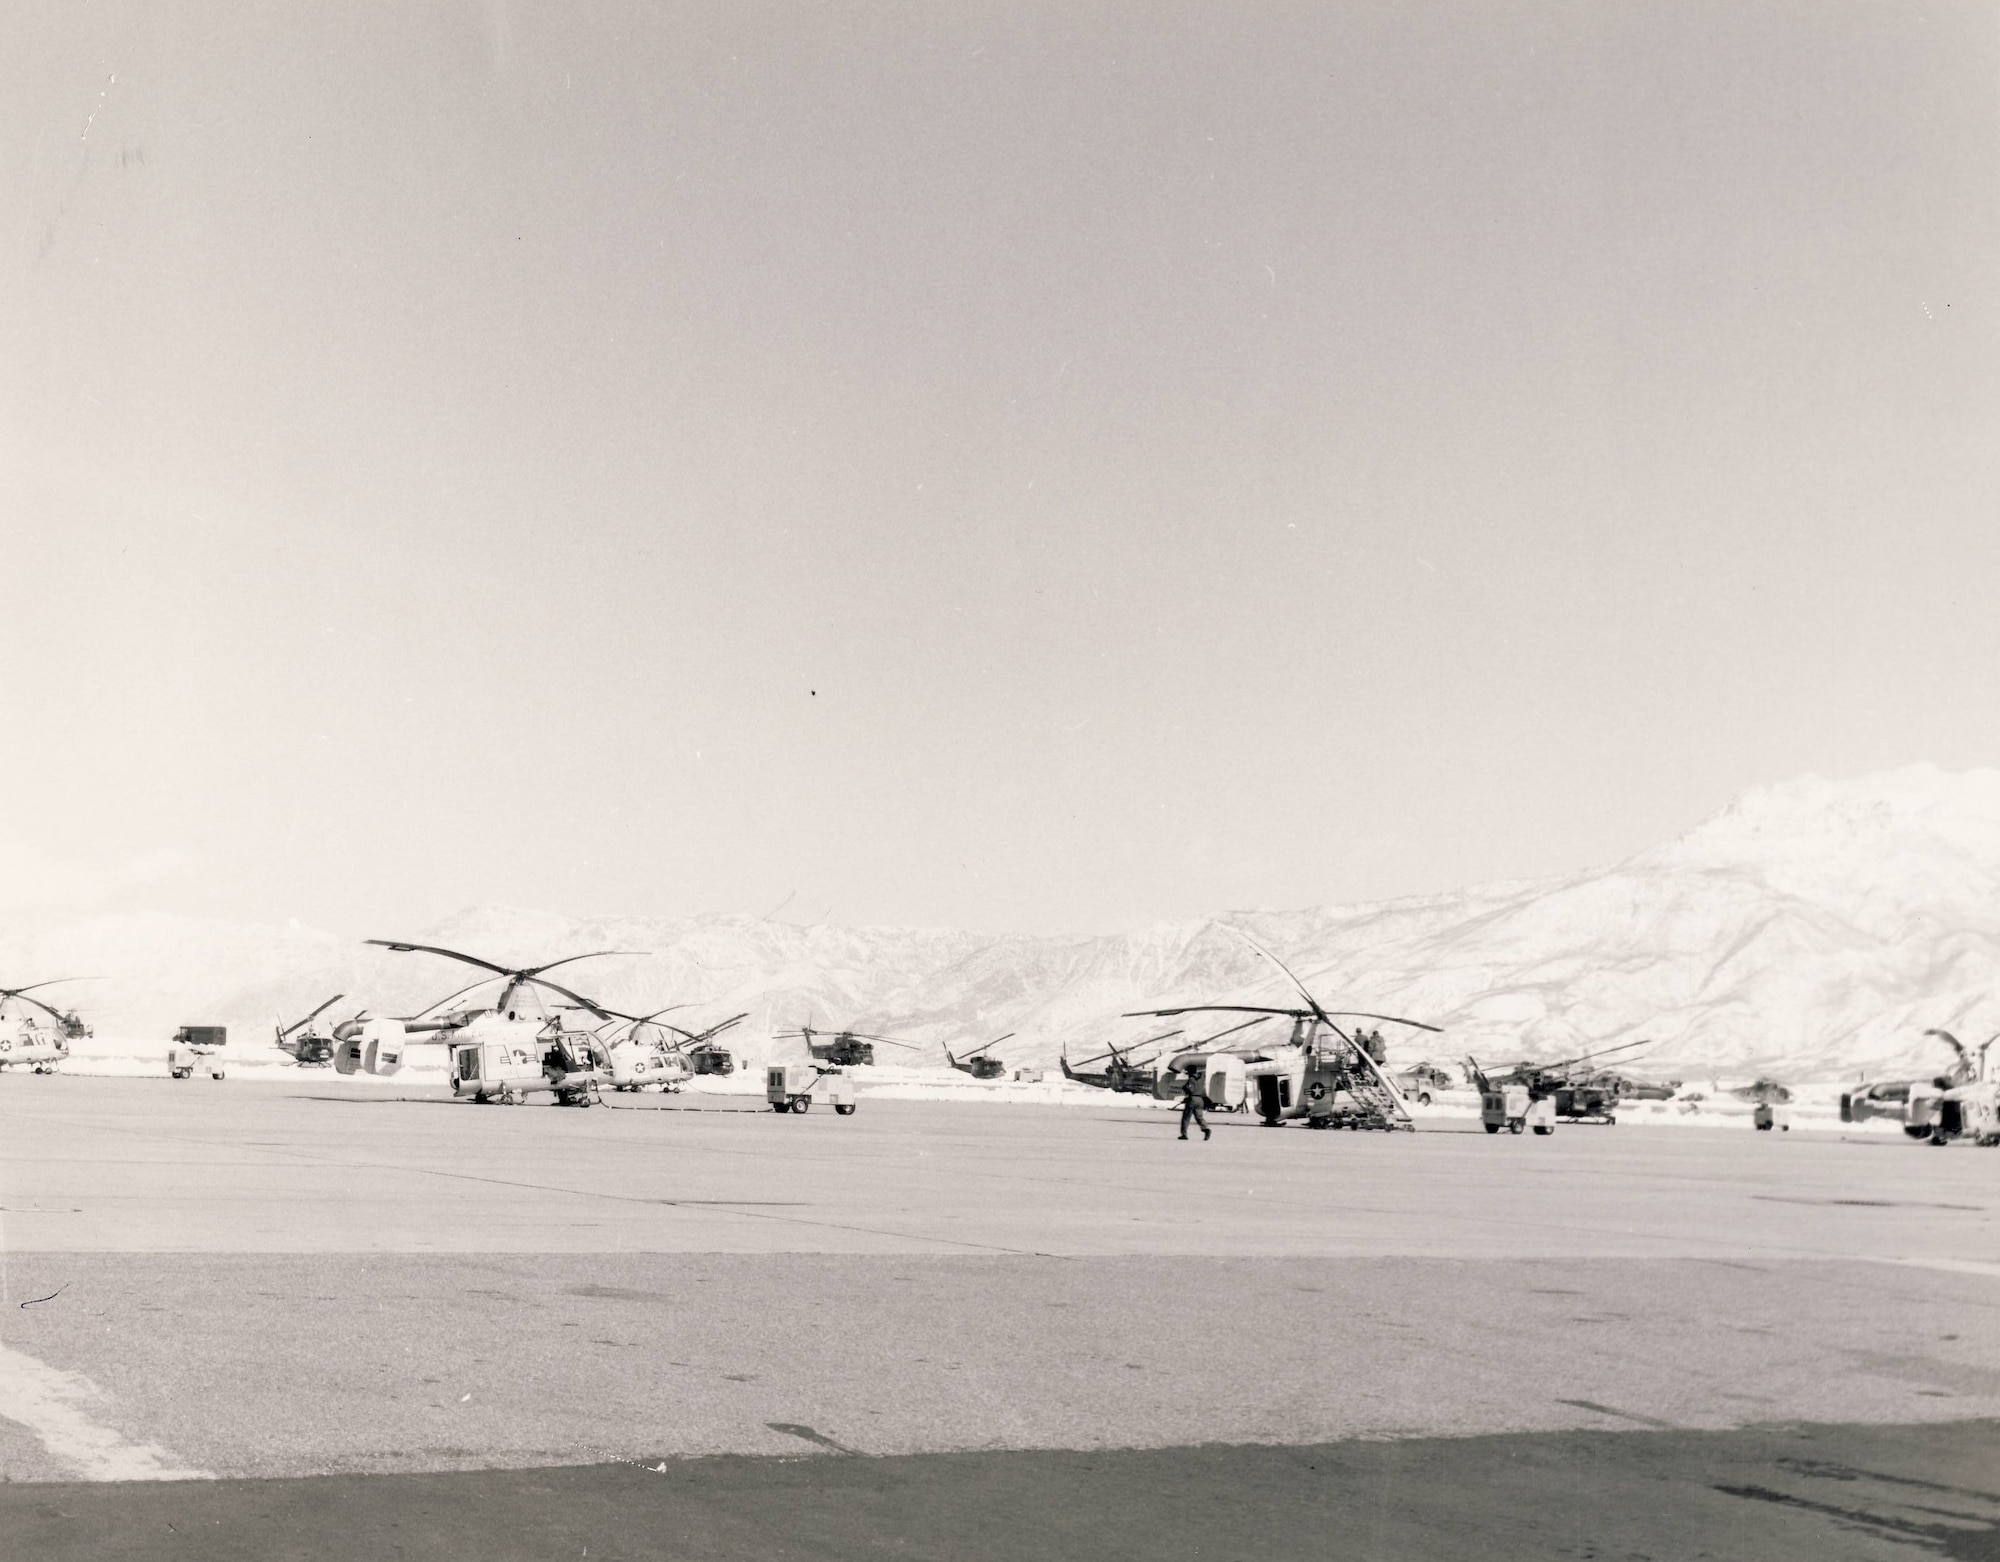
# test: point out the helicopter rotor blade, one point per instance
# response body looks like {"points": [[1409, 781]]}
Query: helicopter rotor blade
{"points": [[1602, 1052], [696, 1038], [433, 949], [300, 1024], [1949, 1040], [1232, 1030], [1209, 1008], [593, 955], [429, 1010], [575, 998], [15, 992], [22, 994]]}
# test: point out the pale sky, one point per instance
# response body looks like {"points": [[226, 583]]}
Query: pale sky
{"points": [[1013, 466]]}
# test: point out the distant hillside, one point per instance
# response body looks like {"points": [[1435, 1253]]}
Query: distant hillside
{"points": [[1814, 928]]}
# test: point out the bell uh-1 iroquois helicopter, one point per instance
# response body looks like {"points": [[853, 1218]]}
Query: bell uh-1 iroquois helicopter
{"points": [[977, 1063], [503, 1053], [1536, 1095], [1306, 1077], [706, 1055], [306, 1045], [1120, 1073], [27, 1039]]}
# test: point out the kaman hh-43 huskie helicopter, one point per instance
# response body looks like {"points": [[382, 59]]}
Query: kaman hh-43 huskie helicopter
{"points": [[639, 1051], [847, 1049], [27, 1039], [1307, 1076], [1120, 1073], [504, 1053], [305, 1043], [644, 1050], [977, 1063]]}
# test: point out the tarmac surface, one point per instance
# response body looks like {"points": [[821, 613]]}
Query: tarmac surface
{"points": [[308, 1319]]}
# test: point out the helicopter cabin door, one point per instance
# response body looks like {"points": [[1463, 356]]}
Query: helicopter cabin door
{"points": [[465, 1064]]}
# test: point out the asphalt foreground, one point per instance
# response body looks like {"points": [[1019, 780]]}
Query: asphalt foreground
{"points": [[310, 1320]]}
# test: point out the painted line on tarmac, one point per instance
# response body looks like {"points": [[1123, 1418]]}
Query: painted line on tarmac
{"points": [[1955, 1266], [51, 1403]]}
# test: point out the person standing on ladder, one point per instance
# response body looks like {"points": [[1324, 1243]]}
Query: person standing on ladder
{"points": [[1191, 1103]]}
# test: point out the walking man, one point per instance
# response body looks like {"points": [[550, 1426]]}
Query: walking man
{"points": [[1191, 1101]]}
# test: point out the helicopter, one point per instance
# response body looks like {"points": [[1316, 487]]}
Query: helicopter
{"points": [[848, 1049], [1971, 1108], [308, 1048], [1577, 1094], [29, 1041], [704, 1055], [1120, 1074], [641, 1055], [644, 1056], [1317, 1064], [1914, 1103], [977, 1063], [1765, 1095], [1421, 1081], [503, 1053]]}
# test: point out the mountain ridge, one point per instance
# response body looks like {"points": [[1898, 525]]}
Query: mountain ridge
{"points": [[1812, 926]]}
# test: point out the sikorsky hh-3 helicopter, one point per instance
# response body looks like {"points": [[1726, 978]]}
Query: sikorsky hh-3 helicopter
{"points": [[1307, 1076], [847, 1049], [503, 1053], [1120, 1072], [27, 1039], [1574, 1093], [305, 1043], [977, 1063]]}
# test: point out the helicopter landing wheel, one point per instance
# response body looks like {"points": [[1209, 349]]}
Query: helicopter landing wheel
{"points": [[844, 1111], [510, 1097], [801, 1104]]}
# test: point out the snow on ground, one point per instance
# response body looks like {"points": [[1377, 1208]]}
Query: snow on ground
{"points": [[1815, 1104]]}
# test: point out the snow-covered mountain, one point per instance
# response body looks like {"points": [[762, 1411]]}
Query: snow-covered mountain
{"points": [[1814, 928]]}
